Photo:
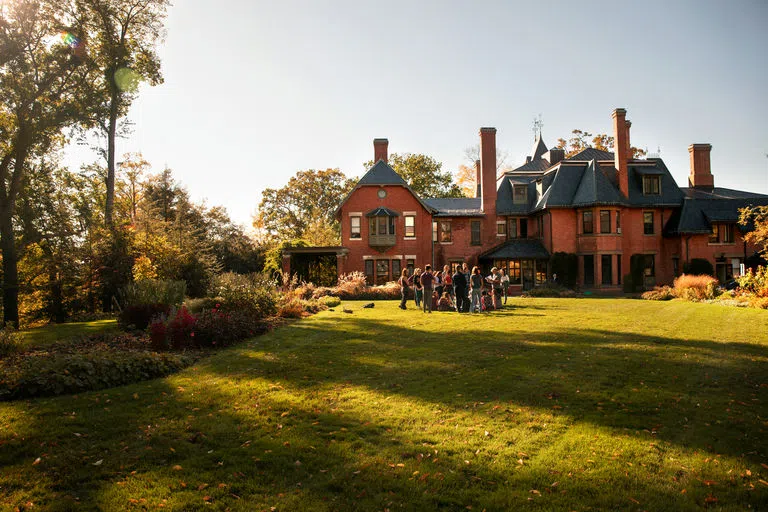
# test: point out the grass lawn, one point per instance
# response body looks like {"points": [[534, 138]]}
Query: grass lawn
{"points": [[48, 334], [552, 404]]}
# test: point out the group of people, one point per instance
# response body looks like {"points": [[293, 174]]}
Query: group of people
{"points": [[463, 291]]}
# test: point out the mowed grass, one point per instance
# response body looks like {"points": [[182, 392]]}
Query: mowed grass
{"points": [[42, 336], [551, 404]]}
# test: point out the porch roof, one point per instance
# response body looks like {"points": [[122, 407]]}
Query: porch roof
{"points": [[517, 249]]}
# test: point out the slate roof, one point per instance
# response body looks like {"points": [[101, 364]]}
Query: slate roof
{"points": [[504, 201], [720, 193], [596, 188], [381, 174], [670, 193], [539, 148], [538, 165], [592, 154], [456, 207], [697, 215], [517, 249]]}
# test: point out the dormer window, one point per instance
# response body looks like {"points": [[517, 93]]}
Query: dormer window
{"points": [[520, 194], [651, 185]]}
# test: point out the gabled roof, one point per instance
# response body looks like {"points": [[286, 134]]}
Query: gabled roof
{"points": [[596, 188], [591, 154], [456, 207], [381, 212], [381, 174], [538, 165], [505, 204], [517, 248], [698, 215], [670, 194]]}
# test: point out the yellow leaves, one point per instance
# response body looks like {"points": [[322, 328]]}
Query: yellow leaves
{"points": [[177, 468]]}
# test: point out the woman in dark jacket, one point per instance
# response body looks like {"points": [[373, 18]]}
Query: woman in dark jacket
{"points": [[403, 282]]}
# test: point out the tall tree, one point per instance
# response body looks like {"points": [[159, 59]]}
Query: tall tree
{"points": [[309, 198], [582, 140], [40, 81], [423, 174], [757, 218], [123, 35]]}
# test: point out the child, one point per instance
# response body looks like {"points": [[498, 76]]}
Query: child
{"points": [[486, 301], [444, 304]]}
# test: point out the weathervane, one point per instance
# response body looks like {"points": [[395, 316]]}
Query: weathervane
{"points": [[537, 125]]}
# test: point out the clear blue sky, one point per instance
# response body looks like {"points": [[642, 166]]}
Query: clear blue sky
{"points": [[257, 90]]}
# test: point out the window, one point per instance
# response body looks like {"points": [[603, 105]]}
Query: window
{"points": [[512, 228], [648, 223], [445, 231], [501, 228], [520, 194], [606, 261], [721, 234], [618, 269], [382, 225], [651, 185], [589, 270], [354, 227], [434, 231], [382, 271], [410, 265], [675, 266], [649, 265], [396, 269], [586, 223], [369, 271], [618, 221], [523, 228], [410, 226], [475, 232], [514, 272], [541, 226], [605, 221]]}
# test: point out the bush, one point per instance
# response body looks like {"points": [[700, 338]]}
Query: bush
{"points": [[153, 291], [755, 282], [660, 293], [331, 301], [10, 341], [139, 316], [549, 291], [47, 373], [759, 302], [217, 328], [253, 293], [291, 309], [195, 306], [176, 330], [699, 266], [695, 288]]}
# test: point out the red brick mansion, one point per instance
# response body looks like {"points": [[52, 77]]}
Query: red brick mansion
{"points": [[603, 207]]}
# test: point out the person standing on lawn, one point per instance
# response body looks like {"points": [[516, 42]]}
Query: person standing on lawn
{"points": [[504, 284], [460, 289], [476, 290], [403, 282], [427, 283], [448, 281], [418, 290], [467, 278], [494, 279]]}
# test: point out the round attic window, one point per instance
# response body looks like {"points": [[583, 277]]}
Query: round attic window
{"points": [[382, 193]]}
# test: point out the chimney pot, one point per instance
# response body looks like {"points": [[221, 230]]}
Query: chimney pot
{"points": [[380, 148]]}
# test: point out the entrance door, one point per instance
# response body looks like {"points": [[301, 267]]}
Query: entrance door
{"points": [[606, 269], [589, 271]]}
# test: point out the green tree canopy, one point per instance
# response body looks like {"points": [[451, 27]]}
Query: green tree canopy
{"points": [[423, 174], [304, 207]]}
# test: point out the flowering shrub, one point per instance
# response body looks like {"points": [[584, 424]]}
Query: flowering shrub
{"points": [[695, 288], [217, 328], [755, 282]]}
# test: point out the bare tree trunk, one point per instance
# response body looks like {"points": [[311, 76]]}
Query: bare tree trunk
{"points": [[10, 270], [109, 207]]}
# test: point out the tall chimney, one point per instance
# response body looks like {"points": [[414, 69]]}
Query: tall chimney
{"points": [[380, 150], [488, 169], [629, 143], [621, 149], [478, 179], [701, 171]]}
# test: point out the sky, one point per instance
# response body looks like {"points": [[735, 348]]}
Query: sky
{"points": [[256, 91]]}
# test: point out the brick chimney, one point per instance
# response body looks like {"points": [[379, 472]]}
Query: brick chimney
{"points": [[621, 149], [701, 172], [380, 150], [478, 179], [488, 170]]}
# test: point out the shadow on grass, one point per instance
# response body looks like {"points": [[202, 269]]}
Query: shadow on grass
{"points": [[258, 426]]}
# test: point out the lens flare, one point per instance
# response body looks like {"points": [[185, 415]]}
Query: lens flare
{"points": [[70, 39], [127, 79]]}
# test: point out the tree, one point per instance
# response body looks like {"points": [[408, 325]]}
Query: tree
{"points": [[310, 197], [466, 179], [756, 216], [472, 155], [123, 35], [41, 77], [423, 174], [582, 140]]}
